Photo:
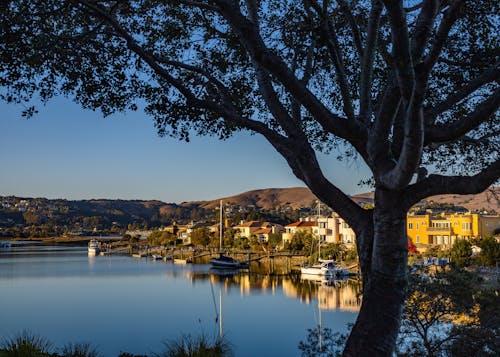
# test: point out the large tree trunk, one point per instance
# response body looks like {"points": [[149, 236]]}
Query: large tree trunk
{"points": [[384, 281]]}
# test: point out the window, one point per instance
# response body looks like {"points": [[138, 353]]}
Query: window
{"points": [[441, 224], [455, 223], [417, 239], [467, 226], [322, 224], [410, 225], [417, 226]]}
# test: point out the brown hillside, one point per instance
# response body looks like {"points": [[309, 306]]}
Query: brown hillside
{"points": [[269, 198], [481, 201]]}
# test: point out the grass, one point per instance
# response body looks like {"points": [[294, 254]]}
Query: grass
{"points": [[201, 346], [28, 344]]}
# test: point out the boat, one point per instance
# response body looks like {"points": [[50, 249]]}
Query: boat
{"points": [[324, 267], [223, 261], [93, 248], [5, 245], [156, 257]]}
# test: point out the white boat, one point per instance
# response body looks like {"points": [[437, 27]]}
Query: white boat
{"points": [[323, 267], [326, 268], [93, 248], [223, 261], [156, 257]]}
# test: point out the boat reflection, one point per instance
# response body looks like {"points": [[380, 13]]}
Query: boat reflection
{"points": [[330, 294]]}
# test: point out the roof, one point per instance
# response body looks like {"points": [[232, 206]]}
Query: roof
{"points": [[303, 224], [250, 224], [263, 231]]}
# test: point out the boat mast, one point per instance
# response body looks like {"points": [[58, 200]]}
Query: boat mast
{"points": [[220, 229], [319, 236]]}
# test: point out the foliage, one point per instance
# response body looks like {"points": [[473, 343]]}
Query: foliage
{"points": [[322, 342], [201, 346], [334, 251], [301, 242], [275, 239], [436, 251], [83, 349], [446, 314], [490, 251], [200, 237], [158, 237], [461, 253], [27, 344], [412, 249]]}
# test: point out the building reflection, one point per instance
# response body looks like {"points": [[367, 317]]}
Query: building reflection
{"points": [[339, 295]]}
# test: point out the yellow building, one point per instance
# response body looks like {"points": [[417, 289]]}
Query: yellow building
{"points": [[443, 229]]}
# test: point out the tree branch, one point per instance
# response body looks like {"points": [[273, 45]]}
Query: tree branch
{"points": [[259, 52], [439, 184], [367, 61], [488, 76], [423, 29], [401, 48], [450, 131], [333, 46], [356, 36], [450, 17]]}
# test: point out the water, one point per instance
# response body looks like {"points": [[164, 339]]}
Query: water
{"points": [[121, 304]]}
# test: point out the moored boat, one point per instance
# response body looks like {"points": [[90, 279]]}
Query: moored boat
{"points": [[325, 268], [5, 244], [223, 261], [93, 248], [226, 262]]}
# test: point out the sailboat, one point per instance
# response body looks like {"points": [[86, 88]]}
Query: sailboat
{"points": [[223, 261], [324, 267]]}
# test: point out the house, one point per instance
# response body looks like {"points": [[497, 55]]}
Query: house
{"points": [[305, 226], [427, 229], [330, 230], [261, 229]]}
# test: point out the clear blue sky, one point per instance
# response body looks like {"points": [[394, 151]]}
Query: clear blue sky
{"points": [[68, 152]]}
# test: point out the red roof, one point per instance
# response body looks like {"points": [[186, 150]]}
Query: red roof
{"points": [[303, 224], [250, 224]]}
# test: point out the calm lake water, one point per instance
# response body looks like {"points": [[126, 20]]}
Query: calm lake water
{"points": [[120, 303]]}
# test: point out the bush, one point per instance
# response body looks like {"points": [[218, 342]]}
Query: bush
{"points": [[461, 253], [79, 350], [188, 346], [27, 344], [490, 251]]}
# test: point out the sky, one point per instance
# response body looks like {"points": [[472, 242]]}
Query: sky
{"points": [[68, 152]]}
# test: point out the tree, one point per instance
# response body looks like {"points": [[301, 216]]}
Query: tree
{"points": [[445, 315], [200, 236], [398, 87], [461, 253], [490, 251]]}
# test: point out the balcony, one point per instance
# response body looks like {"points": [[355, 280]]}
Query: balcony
{"points": [[439, 230]]}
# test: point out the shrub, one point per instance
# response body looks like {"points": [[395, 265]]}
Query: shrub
{"points": [[27, 344], [187, 346]]}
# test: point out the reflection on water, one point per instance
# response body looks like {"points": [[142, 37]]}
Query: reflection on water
{"points": [[331, 294], [124, 304]]}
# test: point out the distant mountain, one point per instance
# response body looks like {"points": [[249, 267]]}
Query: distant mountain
{"points": [[487, 200], [266, 199], [107, 213]]}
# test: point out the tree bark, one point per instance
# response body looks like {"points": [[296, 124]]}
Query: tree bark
{"points": [[385, 281]]}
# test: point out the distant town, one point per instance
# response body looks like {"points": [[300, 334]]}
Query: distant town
{"points": [[246, 223]]}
